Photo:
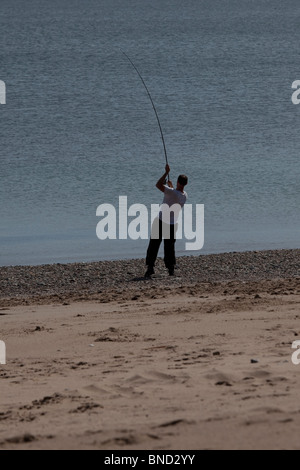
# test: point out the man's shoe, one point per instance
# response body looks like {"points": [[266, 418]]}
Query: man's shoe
{"points": [[149, 273], [172, 271]]}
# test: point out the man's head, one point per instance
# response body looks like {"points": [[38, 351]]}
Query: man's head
{"points": [[182, 182]]}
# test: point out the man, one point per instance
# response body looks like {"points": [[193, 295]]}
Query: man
{"points": [[165, 227]]}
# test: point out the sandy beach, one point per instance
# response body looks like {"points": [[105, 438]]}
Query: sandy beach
{"points": [[98, 358]]}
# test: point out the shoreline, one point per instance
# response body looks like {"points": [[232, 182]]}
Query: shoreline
{"points": [[105, 280]]}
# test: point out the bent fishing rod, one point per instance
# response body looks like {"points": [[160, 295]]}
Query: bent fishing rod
{"points": [[153, 105]]}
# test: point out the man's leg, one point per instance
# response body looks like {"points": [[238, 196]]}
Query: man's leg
{"points": [[170, 257], [154, 245]]}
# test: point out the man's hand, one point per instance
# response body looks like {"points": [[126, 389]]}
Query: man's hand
{"points": [[161, 183]]}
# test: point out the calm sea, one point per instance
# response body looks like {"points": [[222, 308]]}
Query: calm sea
{"points": [[78, 129]]}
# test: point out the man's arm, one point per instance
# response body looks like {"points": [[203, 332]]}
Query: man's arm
{"points": [[161, 183]]}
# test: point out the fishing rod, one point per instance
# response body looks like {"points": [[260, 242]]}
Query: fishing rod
{"points": [[153, 105]]}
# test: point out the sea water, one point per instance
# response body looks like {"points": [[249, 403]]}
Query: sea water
{"points": [[78, 129]]}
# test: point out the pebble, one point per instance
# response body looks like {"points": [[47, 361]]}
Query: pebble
{"points": [[22, 284]]}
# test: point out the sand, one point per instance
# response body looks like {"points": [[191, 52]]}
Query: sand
{"points": [[196, 365]]}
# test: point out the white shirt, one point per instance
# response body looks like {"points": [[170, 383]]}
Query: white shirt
{"points": [[172, 197]]}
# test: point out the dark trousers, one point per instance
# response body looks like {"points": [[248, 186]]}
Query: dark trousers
{"points": [[169, 244]]}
